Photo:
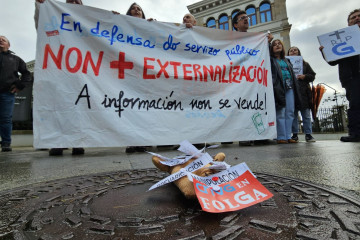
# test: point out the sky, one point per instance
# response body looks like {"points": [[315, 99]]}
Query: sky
{"points": [[309, 19]]}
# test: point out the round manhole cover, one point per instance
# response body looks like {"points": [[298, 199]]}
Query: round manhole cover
{"points": [[117, 205]]}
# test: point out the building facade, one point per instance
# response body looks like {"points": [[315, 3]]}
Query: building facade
{"points": [[268, 15]]}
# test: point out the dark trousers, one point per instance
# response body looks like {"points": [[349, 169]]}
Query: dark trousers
{"points": [[353, 96], [6, 111]]}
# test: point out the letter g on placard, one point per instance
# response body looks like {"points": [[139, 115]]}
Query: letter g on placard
{"points": [[342, 51]]}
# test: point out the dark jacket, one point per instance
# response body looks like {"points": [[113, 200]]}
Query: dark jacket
{"points": [[10, 66], [304, 86], [279, 86], [349, 69]]}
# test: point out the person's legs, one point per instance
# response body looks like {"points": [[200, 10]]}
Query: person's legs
{"points": [[306, 117], [352, 94], [289, 112], [280, 124], [6, 110], [295, 124]]}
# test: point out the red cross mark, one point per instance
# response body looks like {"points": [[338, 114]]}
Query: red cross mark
{"points": [[121, 65]]}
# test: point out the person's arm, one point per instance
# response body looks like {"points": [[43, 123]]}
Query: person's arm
{"points": [[36, 15], [25, 77], [309, 74], [270, 37], [333, 63]]}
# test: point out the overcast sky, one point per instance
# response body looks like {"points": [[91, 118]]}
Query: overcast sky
{"points": [[309, 19]]}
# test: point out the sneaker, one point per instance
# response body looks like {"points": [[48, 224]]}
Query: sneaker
{"points": [[55, 152], [78, 151], [309, 138], [5, 147], [295, 137]]}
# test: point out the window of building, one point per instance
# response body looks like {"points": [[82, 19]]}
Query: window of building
{"points": [[211, 23], [265, 12], [251, 12], [224, 22]]}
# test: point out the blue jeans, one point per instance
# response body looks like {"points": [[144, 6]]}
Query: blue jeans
{"points": [[306, 117], [7, 101], [285, 117]]}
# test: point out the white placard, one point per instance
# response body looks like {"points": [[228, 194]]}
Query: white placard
{"points": [[341, 43], [297, 64]]}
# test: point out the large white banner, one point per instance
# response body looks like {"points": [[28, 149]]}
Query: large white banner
{"points": [[106, 80]]}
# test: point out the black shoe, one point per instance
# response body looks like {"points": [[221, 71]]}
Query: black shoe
{"points": [[226, 142], [350, 138], [140, 149], [55, 152], [5, 147], [246, 143], [130, 149], [165, 146], [309, 138], [295, 137], [262, 142], [199, 145], [78, 151], [135, 149]]}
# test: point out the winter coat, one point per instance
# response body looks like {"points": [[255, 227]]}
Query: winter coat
{"points": [[279, 86], [304, 86], [10, 66], [349, 69]]}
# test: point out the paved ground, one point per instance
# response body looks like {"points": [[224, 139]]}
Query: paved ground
{"points": [[103, 195], [329, 163]]}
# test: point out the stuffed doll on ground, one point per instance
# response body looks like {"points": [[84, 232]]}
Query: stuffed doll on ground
{"points": [[184, 184]]}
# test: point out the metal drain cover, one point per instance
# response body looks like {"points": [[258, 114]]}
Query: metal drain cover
{"points": [[117, 206]]}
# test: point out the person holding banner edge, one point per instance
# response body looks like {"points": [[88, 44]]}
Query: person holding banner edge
{"points": [[349, 75], [305, 98], [285, 92], [136, 11], [10, 66], [57, 151], [241, 24]]}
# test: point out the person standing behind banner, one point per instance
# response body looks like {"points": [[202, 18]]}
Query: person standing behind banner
{"points": [[241, 24], [189, 20], [305, 98], [285, 92], [10, 67], [57, 151], [135, 11], [349, 74]]}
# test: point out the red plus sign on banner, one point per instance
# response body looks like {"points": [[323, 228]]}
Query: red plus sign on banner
{"points": [[121, 65]]}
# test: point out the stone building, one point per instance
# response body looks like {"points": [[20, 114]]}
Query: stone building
{"points": [[268, 15]]}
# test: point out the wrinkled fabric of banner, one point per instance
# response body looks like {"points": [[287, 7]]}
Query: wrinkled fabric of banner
{"points": [[106, 80]]}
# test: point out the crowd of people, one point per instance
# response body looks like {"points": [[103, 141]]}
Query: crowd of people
{"points": [[292, 92]]}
